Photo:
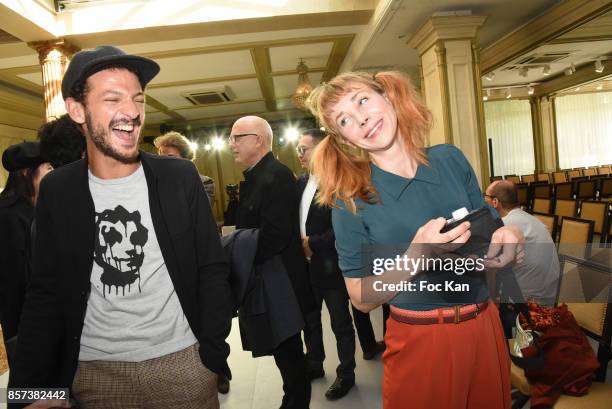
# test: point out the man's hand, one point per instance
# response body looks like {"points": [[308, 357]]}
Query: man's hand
{"points": [[49, 403], [306, 246], [507, 247]]}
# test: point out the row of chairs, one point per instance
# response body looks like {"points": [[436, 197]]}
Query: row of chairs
{"points": [[594, 189], [553, 214], [564, 175]]}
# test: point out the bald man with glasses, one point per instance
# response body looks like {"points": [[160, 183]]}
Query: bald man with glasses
{"points": [[268, 202]]}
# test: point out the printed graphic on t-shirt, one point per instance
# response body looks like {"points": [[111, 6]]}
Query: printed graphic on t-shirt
{"points": [[120, 238]]}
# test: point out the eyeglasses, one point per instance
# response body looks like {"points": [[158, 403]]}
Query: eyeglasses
{"points": [[301, 150], [489, 196], [235, 138]]}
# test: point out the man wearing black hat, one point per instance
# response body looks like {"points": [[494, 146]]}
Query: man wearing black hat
{"points": [[129, 303]]}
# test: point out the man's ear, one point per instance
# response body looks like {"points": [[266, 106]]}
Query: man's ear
{"points": [[75, 110]]}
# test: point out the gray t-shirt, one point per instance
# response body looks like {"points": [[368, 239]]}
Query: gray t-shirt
{"points": [[538, 274], [133, 313]]}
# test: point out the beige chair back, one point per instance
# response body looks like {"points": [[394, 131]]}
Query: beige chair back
{"points": [[565, 208], [513, 178], [528, 178], [595, 211], [590, 172], [541, 205], [559, 177], [575, 237], [549, 220], [543, 177], [574, 174]]}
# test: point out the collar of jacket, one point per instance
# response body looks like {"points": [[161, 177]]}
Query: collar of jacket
{"points": [[251, 174]]}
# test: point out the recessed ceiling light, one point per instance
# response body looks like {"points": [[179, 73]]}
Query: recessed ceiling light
{"points": [[599, 67], [546, 70]]}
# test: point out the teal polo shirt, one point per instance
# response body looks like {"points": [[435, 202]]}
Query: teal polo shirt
{"points": [[387, 227]]}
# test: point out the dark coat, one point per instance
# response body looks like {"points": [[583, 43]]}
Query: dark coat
{"points": [[268, 202], [323, 268], [16, 216], [56, 302], [268, 309]]}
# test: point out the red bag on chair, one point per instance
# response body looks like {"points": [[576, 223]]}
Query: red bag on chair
{"points": [[569, 362]]}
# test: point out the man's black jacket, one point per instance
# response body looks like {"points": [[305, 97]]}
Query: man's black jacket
{"points": [[268, 202], [56, 301], [323, 269]]}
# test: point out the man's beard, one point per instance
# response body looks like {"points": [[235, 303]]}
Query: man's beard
{"points": [[97, 136]]}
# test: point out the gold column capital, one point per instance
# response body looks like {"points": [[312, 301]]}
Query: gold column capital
{"points": [[53, 49]]}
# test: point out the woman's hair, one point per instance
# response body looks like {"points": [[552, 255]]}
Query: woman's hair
{"points": [[21, 183], [178, 141], [344, 174]]}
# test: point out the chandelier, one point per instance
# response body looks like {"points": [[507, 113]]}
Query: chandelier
{"points": [[303, 86]]}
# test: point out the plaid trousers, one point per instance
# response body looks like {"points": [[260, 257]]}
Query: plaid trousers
{"points": [[177, 380]]}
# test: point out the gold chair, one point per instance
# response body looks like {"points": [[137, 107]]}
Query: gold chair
{"points": [[565, 207], [606, 188], [541, 205], [586, 189], [596, 211], [528, 178], [604, 170], [576, 237], [543, 177], [574, 174], [550, 221], [560, 177], [563, 190], [513, 178], [590, 172]]}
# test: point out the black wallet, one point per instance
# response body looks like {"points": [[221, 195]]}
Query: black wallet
{"points": [[482, 227]]}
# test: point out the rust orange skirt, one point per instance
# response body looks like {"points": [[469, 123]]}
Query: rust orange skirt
{"points": [[447, 366]]}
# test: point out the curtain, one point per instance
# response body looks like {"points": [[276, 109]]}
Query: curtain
{"points": [[584, 129], [508, 125]]}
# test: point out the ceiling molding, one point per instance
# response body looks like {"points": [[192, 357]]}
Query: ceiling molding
{"points": [[263, 67], [336, 56], [221, 28], [226, 120], [25, 85], [583, 74], [572, 40], [202, 81], [245, 46], [295, 72], [161, 107], [558, 20]]}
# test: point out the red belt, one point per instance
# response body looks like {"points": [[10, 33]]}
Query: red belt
{"points": [[452, 315]]}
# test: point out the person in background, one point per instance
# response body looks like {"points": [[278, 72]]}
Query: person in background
{"points": [[318, 241], [177, 145], [61, 141], [26, 166], [401, 192], [268, 202]]}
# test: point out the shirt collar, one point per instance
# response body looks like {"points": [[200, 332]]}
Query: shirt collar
{"points": [[395, 185]]}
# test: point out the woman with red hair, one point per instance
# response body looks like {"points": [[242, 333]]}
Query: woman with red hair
{"points": [[387, 189]]}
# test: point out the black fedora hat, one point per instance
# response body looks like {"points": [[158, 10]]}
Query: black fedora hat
{"points": [[87, 63], [22, 156]]}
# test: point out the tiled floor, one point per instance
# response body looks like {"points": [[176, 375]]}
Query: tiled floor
{"points": [[257, 383]]}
